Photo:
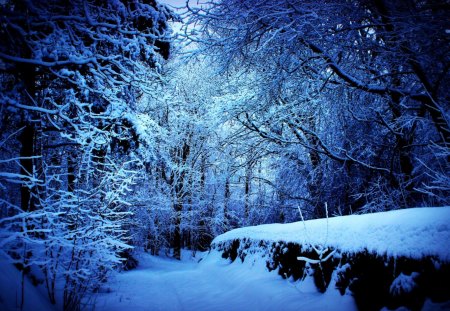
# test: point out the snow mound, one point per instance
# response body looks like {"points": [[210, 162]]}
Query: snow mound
{"points": [[11, 290], [413, 233]]}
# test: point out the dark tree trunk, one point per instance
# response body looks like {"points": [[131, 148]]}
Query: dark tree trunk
{"points": [[177, 232], [70, 172], [180, 193], [314, 181], [247, 190], [226, 201], [26, 139]]}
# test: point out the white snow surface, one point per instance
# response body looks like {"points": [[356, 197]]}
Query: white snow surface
{"points": [[11, 290], [213, 284], [414, 233], [209, 282]]}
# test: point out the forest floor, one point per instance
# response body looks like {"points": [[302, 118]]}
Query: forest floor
{"points": [[211, 284]]}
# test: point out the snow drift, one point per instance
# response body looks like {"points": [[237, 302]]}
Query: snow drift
{"points": [[390, 259], [413, 233]]}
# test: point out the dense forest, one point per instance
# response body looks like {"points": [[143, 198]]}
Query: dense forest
{"points": [[128, 125]]}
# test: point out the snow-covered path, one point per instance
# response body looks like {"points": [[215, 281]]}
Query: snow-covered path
{"points": [[212, 284], [216, 284]]}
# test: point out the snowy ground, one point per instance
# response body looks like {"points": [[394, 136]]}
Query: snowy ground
{"points": [[10, 289], [216, 284], [213, 284]]}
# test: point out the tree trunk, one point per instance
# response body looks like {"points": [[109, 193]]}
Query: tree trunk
{"points": [[315, 180], [226, 200], [26, 139], [247, 189], [180, 194], [177, 231]]}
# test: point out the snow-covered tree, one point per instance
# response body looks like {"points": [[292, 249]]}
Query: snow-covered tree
{"points": [[354, 90], [73, 72]]}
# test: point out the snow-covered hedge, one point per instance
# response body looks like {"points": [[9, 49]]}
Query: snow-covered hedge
{"points": [[390, 259]]}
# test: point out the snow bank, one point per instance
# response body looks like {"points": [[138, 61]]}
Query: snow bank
{"points": [[413, 233], [11, 290]]}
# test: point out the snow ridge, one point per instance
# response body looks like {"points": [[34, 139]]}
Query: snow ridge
{"points": [[413, 233]]}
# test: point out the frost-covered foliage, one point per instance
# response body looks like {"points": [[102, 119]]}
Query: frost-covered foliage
{"points": [[71, 73], [107, 141], [201, 179], [352, 94]]}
